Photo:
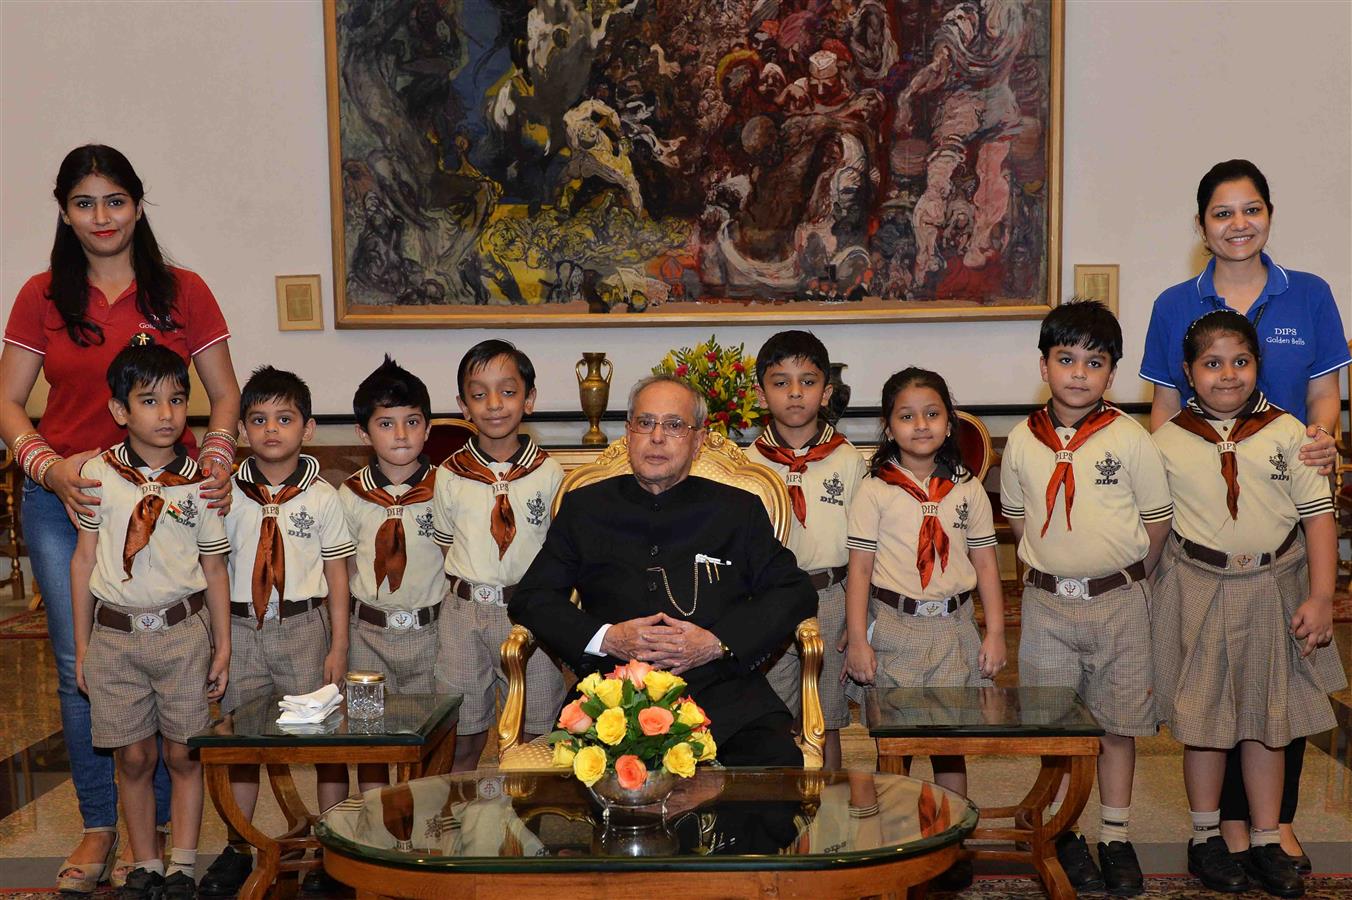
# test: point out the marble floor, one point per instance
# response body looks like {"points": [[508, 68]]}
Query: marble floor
{"points": [[41, 822]]}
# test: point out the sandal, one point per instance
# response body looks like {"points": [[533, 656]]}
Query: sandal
{"points": [[125, 864], [84, 878]]}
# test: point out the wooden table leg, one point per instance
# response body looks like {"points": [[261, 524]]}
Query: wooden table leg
{"points": [[288, 798], [266, 850], [1081, 782]]}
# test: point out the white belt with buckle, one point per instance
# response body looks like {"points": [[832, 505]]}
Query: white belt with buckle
{"points": [[1073, 588]]}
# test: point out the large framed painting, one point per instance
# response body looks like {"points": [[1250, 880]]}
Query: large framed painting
{"points": [[635, 162]]}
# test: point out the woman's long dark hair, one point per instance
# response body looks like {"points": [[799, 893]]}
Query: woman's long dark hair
{"points": [[156, 286], [949, 454]]}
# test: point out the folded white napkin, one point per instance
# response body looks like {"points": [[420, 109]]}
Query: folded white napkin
{"points": [[325, 696], [302, 709]]}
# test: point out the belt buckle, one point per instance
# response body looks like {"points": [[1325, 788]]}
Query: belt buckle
{"points": [[400, 620], [487, 593], [1072, 588], [931, 608], [1243, 561], [147, 621]]}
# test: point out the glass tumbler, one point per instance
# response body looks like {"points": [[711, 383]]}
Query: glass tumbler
{"points": [[365, 695]]}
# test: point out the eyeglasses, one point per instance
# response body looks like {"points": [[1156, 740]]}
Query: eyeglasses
{"points": [[672, 428]]}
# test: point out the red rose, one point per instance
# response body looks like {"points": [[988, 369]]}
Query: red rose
{"points": [[682, 369], [711, 356], [722, 417], [738, 367], [713, 394], [732, 404], [741, 392]]}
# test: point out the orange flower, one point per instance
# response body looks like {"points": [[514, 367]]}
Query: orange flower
{"points": [[655, 720], [630, 772], [573, 719]]}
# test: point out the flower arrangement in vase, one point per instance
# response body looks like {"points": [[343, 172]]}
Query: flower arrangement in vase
{"points": [[724, 376], [629, 735]]}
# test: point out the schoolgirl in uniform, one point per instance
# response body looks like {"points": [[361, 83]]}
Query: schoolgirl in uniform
{"points": [[1242, 598], [922, 541]]}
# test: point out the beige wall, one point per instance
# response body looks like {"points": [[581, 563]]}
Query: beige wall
{"points": [[221, 108]]}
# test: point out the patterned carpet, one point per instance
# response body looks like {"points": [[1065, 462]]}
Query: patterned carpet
{"points": [[25, 625]]}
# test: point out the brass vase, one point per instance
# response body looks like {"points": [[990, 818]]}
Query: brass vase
{"points": [[593, 388]]}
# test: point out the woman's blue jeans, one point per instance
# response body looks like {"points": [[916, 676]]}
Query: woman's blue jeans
{"points": [[50, 537]]}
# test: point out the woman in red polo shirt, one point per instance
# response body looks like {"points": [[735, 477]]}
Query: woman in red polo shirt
{"points": [[108, 285]]}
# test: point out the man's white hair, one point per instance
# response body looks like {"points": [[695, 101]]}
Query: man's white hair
{"points": [[700, 407]]}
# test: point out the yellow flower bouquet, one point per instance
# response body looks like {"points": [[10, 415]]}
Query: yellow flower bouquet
{"points": [[628, 735], [724, 376]]}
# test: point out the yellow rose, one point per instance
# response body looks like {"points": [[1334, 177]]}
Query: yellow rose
{"points": [[610, 691], [710, 748], [689, 713], [611, 726], [658, 683], [588, 684], [589, 764], [563, 755], [680, 760]]}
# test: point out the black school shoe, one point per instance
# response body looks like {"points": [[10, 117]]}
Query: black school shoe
{"points": [[1303, 864], [318, 883], [1121, 869], [1073, 853], [142, 884], [1216, 867], [179, 886], [1273, 871], [227, 874]]}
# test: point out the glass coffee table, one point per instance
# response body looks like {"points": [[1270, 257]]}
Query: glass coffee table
{"points": [[416, 736], [1051, 723], [736, 832]]}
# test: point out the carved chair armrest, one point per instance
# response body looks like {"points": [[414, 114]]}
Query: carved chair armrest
{"points": [[810, 650], [516, 650]]}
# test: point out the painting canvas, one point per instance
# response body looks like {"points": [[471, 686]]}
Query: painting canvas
{"points": [[553, 162]]}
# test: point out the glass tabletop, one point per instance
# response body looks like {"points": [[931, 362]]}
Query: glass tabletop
{"points": [[408, 719], [978, 712], [720, 819]]}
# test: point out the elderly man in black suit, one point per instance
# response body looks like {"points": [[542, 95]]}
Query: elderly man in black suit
{"points": [[677, 571]]}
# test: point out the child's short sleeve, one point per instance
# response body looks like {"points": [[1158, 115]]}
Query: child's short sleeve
{"points": [[335, 541], [865, 516], [97, 470], [1011, 490], [1149, 482], [211, 539], [1309, 490], [980, 519], [442, 531]]}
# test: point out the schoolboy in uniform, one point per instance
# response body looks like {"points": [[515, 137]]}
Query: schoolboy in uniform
{"points": [[145, 564], [396, 576], [290, 545], [1085, 492], [492, 504], [822, 470]]}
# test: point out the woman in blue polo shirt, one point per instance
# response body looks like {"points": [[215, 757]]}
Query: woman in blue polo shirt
{"points": [[1303, 347]]}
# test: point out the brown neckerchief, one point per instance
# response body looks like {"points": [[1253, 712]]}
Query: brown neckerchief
{"points": [[145, 515], [467, 462], [1251, 419], [269, 571], [933, 539], [391, 545], [823, 445], [1044, 429]]}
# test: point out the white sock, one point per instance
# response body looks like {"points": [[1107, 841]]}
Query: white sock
{"points": [[150, 865], [184, 861], [1114, 822], [1205, 825], [1261, 837]]}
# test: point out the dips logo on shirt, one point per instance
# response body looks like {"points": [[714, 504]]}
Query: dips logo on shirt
{"points": [[834, 488], [302, 524], [963, 511], [1279, 467], [535, 509], [424, 524], [184, 512], [1107, 467]]}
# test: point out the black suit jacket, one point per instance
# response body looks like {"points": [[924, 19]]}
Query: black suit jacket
{"points": [[606, 542]]}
